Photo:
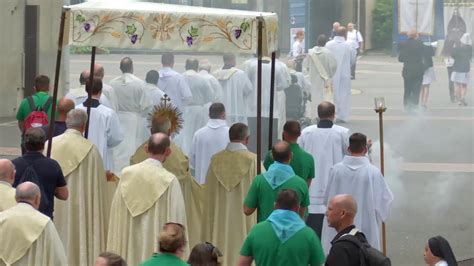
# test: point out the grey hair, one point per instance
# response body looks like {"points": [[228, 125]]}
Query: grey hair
{"points": [[27, 191], [76, 118]]}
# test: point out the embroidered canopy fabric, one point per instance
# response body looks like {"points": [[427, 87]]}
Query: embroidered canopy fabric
{"points": [[168, 27]]}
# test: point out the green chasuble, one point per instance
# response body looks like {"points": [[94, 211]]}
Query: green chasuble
{"points": [[164, 259], [302, 162], [302, 249], [262, 196]]}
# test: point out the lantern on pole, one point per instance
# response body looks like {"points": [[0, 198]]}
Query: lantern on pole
{"points": [[380, 109]]}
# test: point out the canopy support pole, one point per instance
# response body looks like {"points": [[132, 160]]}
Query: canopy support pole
{"points": [[56, 82], [259, 94], [89, 94], [272, 97]]}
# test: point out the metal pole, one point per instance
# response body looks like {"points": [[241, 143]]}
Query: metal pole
{"points": [[56, 83], [272, 97], [89, 94], [259, 94], [382, 169]]}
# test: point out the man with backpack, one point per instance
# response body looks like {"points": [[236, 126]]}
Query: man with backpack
{"points": [[33, 166], [35, 110], [349, 246]]}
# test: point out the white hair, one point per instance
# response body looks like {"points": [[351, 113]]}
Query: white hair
{"points": [[204, 64], [76, 118], [27, 191]]}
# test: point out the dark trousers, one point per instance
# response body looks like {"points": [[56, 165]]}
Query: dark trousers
{"points": [[353, 67], [451, 84], [315, 221], [411, 96]]}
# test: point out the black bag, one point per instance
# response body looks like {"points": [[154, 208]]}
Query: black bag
{"points": [[369, 256], [30, 175]]}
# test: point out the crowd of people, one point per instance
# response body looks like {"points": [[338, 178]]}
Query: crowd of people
{"points": [[418, 72], [124, 185]]}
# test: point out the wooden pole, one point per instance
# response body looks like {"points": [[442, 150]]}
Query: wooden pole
{"points": [[272, 97], [89, 94], [380, 111], [56, 82], [259, 94]]}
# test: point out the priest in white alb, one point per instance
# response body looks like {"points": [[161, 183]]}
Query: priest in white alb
{"points": [[194, 113], [29, 237], [282, 81], [345, 56], [327, 143], [173, 84], [205, 72], [321, 66], [79, 94], [107, 90], [208, 141], [237, 91], [356, 176], [133, 108], [7, 192], [105, 131], [147, 197], [228, 180], [82, 220]]}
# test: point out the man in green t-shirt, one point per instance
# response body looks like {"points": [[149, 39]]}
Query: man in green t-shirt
{"points": [[40, 97], [302, 162], [265, 187], [283, 239]]}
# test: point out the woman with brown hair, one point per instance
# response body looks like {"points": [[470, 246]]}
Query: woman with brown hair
{"points": [[171, 243]]}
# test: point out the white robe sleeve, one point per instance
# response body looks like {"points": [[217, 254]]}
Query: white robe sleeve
{"points": [[115, 133], [383, 197], [185, 91]]}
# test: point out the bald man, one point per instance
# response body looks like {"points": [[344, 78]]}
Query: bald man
{"points": [[280, 175], [107, 90], [65, 105], [340, 215], [147, 197], [31, 236], [79, 94], [133, 109], [7, 192]]}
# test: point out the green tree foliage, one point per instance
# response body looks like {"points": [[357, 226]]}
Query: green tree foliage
{"points": [[382, 21]]}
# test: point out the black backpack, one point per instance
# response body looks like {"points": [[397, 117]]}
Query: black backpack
{"points": [[30, 175], [369, 256]]}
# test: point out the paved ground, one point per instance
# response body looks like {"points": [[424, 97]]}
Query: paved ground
{"points": [[429, 157]]}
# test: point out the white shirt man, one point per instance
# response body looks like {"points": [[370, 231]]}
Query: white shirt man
{"points": [[237, 91], [173, 84], [105, 130], [282, 81], [205, 72], [345, 56], [356, 176], [133, 109], [208, 141], [328, 144], [354, 37]]}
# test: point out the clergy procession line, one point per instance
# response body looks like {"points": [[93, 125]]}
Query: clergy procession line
{"points": [[147, 189]]}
